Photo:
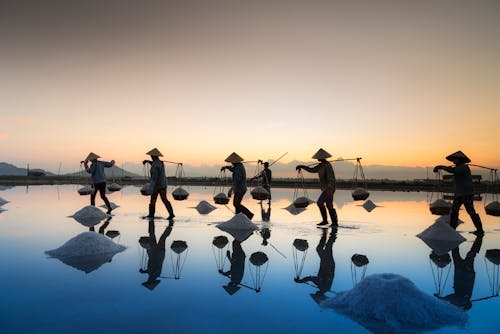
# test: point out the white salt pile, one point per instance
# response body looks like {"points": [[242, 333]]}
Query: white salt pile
{"points": [[369, 205], [441, 238], [2, 210], [180, 194], [493, 208], [293, 210], [3, 201], [89, 216], [301, 202], [113, 206], [446, 219], [205, 208], [360, 194], [114, 187], [389, 303], [85, 190], [86, 244], [240, 227], [259, 193], [440, 207]]}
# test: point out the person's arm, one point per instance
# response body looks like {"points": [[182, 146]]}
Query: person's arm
{"points": [[307, 168], [109, 164], [449, 169]]}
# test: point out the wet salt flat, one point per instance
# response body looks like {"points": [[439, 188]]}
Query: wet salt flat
{"points": [[280, 291]]}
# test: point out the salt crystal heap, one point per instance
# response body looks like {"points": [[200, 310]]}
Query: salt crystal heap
{"points": [[389, 303], [240, 227], [205, 208], [3, 201], [441, 237], [87, 251], [89, 216]]}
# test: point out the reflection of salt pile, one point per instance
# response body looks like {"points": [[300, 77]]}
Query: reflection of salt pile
{"points": [[240, 227], [3, 201], [446, 219], [389, 303], [2, 210], [205, 208], [293, 210], [89, 216], [87, 251], [441, 237], [369, 205]]}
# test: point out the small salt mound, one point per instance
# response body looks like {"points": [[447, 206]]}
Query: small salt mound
{"points": [[360, 194], [301, 202], [493, 209], [2, 210], [440, 207], [89, 216], [389, 303], [259, 193], [205, 208], [221, 198], [180, 194], [369, 205], [87, 251], [3, 201], [293, 210], [441, 238], [240, 227], [85, 190], [113, 206], [446, 219], [114, 187]]}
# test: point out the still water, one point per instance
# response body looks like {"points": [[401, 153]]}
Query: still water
{"points": [[44, 295]]}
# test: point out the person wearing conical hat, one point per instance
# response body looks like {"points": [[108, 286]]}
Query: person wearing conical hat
{"points": [[266, 176], [237, 270], [96, 169], [464, 190], [327, 185], [158, 184], [239, 187]]}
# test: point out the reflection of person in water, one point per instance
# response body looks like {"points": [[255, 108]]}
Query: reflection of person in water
{"points": [[235, 273], [156, 255], [265, 233], [266, 214], [324, 279], [464, 277]]}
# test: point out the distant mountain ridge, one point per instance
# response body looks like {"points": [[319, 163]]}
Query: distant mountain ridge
{"points": [[112, 172], [9, 169], [12, 170]]}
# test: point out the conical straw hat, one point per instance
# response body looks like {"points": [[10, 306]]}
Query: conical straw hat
{"points": [[458, 155], [155, 153], [321, 154], [92, 156], [234, 158]]}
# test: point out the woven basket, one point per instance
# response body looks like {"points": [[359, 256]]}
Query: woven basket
{"points": [[259, 193], [221, 198], [493, 209], [360, 194], [301, 202], [180, 194]]}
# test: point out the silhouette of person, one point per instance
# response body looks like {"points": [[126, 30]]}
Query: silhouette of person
{"points": [[464, 276], [158, 184], [463, 190], [324, 279], [237, 270], [239, 186], [265, 233], [266, 214], [266, 176], [156, 255], [96, 170], [327, 184]]}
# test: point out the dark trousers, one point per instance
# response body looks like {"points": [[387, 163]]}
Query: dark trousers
{"points": [[163, 195], [101, 187], [238, 197], [469, 207], [326, 198]]}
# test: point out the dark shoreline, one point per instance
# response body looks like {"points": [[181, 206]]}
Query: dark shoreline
{"points": [[386, 185]]}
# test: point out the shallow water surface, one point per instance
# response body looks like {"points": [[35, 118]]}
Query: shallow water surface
{"points": [[200, 289]]}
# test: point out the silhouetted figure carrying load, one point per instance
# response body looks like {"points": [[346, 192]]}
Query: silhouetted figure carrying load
{"points": [[96, 169]]}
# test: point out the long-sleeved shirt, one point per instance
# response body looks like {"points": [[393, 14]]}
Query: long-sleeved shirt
{"points": [[158, 178], [239, 177], [325, 173], [97, 170], [463, 179], [266, 176]]}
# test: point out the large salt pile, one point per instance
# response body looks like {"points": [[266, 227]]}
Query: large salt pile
{"points": [[293, 210], [89, 216], [3, 201], [441, 237], [389, 303], [87, 251], [240, 227], [205, 208]]}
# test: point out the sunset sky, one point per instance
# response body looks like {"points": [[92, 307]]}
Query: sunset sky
{"points": [[400, 83]]}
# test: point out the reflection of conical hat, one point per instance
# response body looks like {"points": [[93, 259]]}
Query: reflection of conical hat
{"points": [[92, 156], [458, 155], [321, 154], [154, 153], [231, 289], [234, 158]]}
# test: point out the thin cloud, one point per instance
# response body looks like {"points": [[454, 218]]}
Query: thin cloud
{"points": [[24, 120], [3, 136]]}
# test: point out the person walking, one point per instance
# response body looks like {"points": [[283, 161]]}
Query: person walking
{"points": [[327, 184], [239, 187], [266, 175], [96, 170], [463, 190], [158, 184]]}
